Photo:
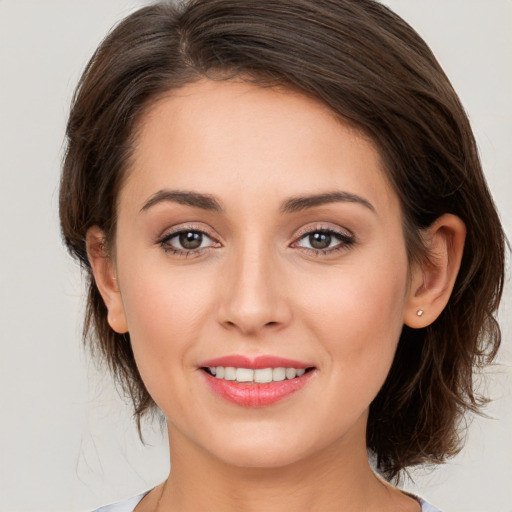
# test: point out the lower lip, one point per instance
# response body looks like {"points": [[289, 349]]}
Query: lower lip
{"points": [[253, 394]]}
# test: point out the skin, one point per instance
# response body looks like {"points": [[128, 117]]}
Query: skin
{"points": [[256, 286]]}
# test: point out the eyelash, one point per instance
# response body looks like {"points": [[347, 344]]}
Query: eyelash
{"points": [[344, 241], [164, 242]]}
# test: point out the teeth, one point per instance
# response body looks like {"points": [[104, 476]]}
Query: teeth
{"points": [[280, 373], [229, 373], [290, 373], [244, 375], [261, 376]]}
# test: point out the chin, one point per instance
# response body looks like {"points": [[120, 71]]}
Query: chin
{"points": [[261, 458], [263, 449]]}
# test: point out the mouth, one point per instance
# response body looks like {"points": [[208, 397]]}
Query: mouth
{"points": [[256, 382], [255, 376]]}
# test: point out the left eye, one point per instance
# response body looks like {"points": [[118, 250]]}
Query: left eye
{"points": [[187, 240], [322, 240]]}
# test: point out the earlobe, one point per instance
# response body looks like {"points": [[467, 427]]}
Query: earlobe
{"points": [[104, 273], [433, 279]]}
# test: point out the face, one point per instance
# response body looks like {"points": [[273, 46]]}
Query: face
{"points": [[256, 232]]}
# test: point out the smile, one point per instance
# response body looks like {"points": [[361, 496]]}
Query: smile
{"points": [[255, 382], [258, 376]]}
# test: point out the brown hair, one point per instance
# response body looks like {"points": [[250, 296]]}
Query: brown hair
{"points": [[372, 69]]}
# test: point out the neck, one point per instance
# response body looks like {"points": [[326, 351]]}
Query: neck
{"points": [[339, 474]]}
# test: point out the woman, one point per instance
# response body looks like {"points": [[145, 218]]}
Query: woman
{"points": [[282, 214]]}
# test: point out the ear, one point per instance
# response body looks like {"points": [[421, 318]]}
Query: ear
{"points": [[432, 280], [104, 273]]}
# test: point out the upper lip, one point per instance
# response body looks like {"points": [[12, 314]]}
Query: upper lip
{"points": [[255, 363]]}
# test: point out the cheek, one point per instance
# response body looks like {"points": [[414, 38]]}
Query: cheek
{"points": [[166, 313], [357, 314]]}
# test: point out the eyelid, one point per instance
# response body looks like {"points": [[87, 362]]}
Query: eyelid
{"points": [[175, 234], [170, 233], [346, 238], [313, 228], [180, 228]]}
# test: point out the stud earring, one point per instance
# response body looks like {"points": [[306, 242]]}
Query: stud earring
{"points": [[419, 312]]}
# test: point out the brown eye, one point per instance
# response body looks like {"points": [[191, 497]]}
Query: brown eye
{"points": [[320, 240], [187, 241], [190, 239], [325, 241]]}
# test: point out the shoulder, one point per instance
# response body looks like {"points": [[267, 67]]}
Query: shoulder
{"points": [[123, 506]]}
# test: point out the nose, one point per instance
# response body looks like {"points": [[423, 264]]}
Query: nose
{"points": [[254, 296]]}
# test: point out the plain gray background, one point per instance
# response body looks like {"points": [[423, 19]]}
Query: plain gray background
{"points": [[67, 442]]}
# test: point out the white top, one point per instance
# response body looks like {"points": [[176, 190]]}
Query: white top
{"points": [[130, 504], [123, 506]]}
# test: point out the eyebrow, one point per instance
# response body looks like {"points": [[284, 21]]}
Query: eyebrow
{"points": [[294, 204], [195, 199], [300, 203]]}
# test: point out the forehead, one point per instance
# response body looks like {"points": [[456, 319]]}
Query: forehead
{"points": [[220, 136]]}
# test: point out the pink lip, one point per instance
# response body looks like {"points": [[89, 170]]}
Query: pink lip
{"points": [[254, 394], [255, 363]]}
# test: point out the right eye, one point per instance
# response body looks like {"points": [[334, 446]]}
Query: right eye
{"points": [[186, 241]]}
